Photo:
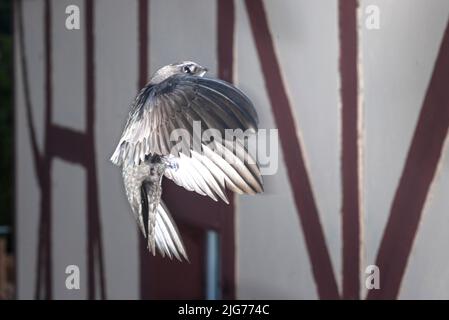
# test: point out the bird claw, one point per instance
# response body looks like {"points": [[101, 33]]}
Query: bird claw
{"points": [[171, 163]]}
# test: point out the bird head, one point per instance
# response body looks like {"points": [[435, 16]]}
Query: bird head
{"points": [[185, 67]]}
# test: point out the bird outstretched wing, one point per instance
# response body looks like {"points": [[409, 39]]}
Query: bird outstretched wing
{"points": [[176, 103], [218, 167]]}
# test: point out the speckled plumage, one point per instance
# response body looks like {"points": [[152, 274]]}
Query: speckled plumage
{"points": [[175, 97]]}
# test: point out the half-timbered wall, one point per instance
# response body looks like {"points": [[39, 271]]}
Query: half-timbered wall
{"points": [[363, 169]]}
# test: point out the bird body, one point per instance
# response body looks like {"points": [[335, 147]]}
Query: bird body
{"points": [[176, 97]]}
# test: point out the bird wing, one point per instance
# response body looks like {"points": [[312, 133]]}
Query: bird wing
{"points": [[176, 103], [217, 167]]}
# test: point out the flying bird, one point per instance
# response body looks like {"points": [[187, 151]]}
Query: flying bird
{"points": [[176, 97]]}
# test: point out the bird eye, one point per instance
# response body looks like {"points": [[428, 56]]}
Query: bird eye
{"points": [[186, 69]]}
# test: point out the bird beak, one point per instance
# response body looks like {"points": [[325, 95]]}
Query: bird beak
{"points": [[203, 72]]}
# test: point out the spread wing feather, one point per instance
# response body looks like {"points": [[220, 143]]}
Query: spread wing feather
{"points": [[212, 171], [176, 103]]}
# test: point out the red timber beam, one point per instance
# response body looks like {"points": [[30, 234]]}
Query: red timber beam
{"points": [[293, 153], [418, 173], [225, 52], [146, 265], [347, 17]]}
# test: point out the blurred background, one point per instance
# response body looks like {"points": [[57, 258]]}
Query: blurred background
{"points": [[6, 164], [356, 89]]}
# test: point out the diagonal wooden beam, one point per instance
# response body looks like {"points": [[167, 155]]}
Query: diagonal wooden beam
{"points": [[37, 155], [417, 176], [293, 153], [347, 16], [43, 287]]}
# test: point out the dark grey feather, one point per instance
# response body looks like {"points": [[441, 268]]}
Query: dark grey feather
{"points": [[174, 104]]}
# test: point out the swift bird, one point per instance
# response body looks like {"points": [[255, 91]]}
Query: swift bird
{"points": [[176, 96]]}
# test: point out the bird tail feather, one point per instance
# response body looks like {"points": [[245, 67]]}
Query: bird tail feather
{"points": [[166, 236]]}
